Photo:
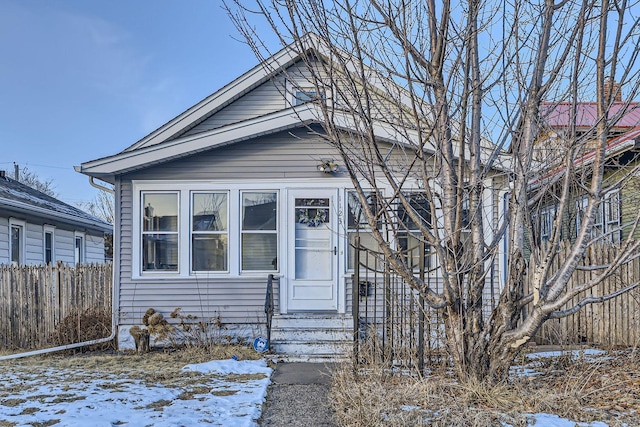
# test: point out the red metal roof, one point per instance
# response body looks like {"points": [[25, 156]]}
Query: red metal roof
{"points": [[558, 115], [614, 146]]}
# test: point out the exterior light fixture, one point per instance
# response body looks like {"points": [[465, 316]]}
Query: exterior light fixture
{"points": [[327, 166]]}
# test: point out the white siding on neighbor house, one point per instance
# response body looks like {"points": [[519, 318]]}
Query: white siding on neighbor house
{"points": [[4, 240], [94, 248], [238, 300], [34, 243], [63, 243], [64, 246], [271, 96]]}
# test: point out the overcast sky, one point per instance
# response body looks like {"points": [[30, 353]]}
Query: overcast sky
{"points": [[80, 80]]}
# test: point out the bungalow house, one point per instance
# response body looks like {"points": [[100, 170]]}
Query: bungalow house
{"points": [[619, 206], [238, 187], [36, 228]]}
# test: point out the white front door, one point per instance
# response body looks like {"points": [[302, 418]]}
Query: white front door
{"points": [[312, 246]]}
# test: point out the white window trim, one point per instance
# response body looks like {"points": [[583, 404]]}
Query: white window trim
{"points": [[610, 228], [292, 87], [183, 230], [50, 229], [547, 213], [279, 236], [184, 189], [23, 244], [191, 232], [611, 224], [234, 189], [83, 249]]}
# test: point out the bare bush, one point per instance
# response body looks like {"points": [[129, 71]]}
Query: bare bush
{"points": [[79, 326], [602, 388]]}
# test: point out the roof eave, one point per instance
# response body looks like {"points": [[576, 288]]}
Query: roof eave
{"points": [[62, 217]]}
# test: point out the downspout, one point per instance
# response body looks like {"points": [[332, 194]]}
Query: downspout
{"points": [[100, 187], [114, 296]]}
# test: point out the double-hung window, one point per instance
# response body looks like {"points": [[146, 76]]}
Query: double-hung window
{"points": [[16, 241], [209, 231], [357, 225], [409, 233], [191, 229], [160, 231], [48, 244], [606, 220], [611, 210], [547, 216], [259, 231]]}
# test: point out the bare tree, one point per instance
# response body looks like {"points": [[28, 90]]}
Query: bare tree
{"points": [[458, 85], [103, 207], [31, 179]]}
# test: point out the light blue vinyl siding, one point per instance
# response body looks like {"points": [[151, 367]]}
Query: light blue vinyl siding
{"points": [[273, 95], [238, 300]]}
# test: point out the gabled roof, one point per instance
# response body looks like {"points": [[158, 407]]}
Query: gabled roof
{"points": [[559, 115], [169, 143], [17, 197], [221, 98]]}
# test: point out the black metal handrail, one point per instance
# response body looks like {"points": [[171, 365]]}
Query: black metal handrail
{"points": [[268, 305]]}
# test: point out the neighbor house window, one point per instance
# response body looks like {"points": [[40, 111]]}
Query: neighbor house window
{"points": [[357, 225], [259, 231], [79, 248], [209, 232], [48, 242], [16, 241], [547, 216], [611, 210], [606, 220], [160, 231]]}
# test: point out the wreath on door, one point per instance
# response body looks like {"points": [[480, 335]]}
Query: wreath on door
{"points": [[305, 217]]}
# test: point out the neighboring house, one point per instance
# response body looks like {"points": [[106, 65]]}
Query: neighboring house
{"points": [[232, 190], [39, 229], [619, 206]]}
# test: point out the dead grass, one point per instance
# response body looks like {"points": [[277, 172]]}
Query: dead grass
{"points": [[164, 367], [605, 389]]}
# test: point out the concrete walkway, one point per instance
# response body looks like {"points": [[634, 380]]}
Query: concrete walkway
{"points": [[297, 396]]}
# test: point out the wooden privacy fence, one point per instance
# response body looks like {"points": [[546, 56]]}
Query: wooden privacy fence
{"points": [[613, 323], [34, 299]]}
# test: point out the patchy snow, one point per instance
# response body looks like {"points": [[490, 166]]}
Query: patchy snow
{"points": [[547, 420], [222, 393], [574, 353]]}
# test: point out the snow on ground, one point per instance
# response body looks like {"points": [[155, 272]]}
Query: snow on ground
{"points": [[547, 420], [222, 393]]}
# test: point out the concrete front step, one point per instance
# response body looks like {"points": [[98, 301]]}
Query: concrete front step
{"points": [[309, 321], [305, 335], [311, 336], [317, 349]]}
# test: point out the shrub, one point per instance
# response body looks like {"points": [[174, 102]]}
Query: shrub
{"points": [[80, 326]]}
